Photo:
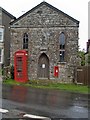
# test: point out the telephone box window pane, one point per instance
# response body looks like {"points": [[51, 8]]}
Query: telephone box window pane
{"points": [[19, 66]]}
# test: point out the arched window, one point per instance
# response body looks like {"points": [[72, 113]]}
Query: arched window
{"points": [[25, 41], [62, 47], [62, 41]]}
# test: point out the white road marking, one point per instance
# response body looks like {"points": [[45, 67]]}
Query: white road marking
{"points": [[3, 110], [35, 116], [27, 115]]}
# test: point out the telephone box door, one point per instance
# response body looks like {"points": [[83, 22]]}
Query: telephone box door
{"points": [[20, 66]]}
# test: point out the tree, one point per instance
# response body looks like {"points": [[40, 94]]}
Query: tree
{"points": [[81, 54], [89, 58]]}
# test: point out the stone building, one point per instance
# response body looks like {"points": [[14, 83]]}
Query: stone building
{"points": [[50, 37], [5, 19], [87, 54]]}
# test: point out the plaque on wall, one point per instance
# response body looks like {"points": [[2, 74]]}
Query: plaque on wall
{"points": [[43, 65]]}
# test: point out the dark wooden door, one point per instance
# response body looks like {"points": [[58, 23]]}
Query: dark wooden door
{"points": [[43, 66]]}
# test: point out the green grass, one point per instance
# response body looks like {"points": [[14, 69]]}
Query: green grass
{"points": [[49, 85]]}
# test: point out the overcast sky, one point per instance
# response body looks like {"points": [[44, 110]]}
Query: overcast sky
{"points": [[77, 9]]}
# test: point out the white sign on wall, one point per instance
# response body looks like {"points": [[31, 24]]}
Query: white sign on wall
{"points": [[43, 65]]}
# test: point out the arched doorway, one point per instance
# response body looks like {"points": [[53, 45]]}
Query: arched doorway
{"points": [[43, 66]]}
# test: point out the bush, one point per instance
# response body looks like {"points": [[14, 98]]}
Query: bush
{"points": [[12, 72]]}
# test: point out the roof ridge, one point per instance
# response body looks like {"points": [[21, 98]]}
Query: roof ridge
{"points": [[49, 5], [8, 13]]}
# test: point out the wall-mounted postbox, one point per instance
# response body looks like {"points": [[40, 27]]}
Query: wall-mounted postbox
{"points": [[20, 66], [56, 71]]}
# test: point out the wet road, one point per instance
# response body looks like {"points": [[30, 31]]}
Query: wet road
{"points": [[48, 103]]}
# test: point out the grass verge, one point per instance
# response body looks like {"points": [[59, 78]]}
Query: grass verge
{"points": [[49, 85]]}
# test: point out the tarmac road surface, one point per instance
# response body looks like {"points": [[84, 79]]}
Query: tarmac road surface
{"points": [[19, 100]]}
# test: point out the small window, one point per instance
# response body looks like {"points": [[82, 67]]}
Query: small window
{"points": [[25, 41], [0, 36], [1, 55], [62, 41], [62, 55]]}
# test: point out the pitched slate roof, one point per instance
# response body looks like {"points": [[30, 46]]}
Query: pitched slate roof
{"points": [[47, 4], [10, 15]]}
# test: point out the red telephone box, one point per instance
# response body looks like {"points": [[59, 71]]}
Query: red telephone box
{"points": [[20, 66], [56, 71]]}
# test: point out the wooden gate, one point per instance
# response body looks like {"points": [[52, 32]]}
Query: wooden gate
{"points": [[83, 75], [43, 66]]}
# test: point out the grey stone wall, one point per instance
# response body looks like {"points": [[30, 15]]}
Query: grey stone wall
{"points": [[44, 26], [0, 16], [44, 16], [5, 19]]}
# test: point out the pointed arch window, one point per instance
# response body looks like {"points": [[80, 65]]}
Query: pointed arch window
{"points": [[62, 47], [25, 41], [62, 41]]}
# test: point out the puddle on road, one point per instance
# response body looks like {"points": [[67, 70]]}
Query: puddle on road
{"points": [[79, 109], [19, 94], [54, 99], [46, 97]]}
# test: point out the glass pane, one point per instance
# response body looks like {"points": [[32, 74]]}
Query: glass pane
{"points": [[0, 35], [62, 41], [19, 64], [62, 54], [25, 41], [62, 46], [0, 54]]}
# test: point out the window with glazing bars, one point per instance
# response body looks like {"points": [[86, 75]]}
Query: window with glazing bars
{"points": [[62, 41], [0, 36], [62, 47], [25, 41], [62, 55], [0, 55]]}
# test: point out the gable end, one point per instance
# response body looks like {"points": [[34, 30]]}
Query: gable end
{"points": [[50, 6]]}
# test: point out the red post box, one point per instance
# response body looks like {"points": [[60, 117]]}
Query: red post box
{"points": [[20, 66], [56, 71]]}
